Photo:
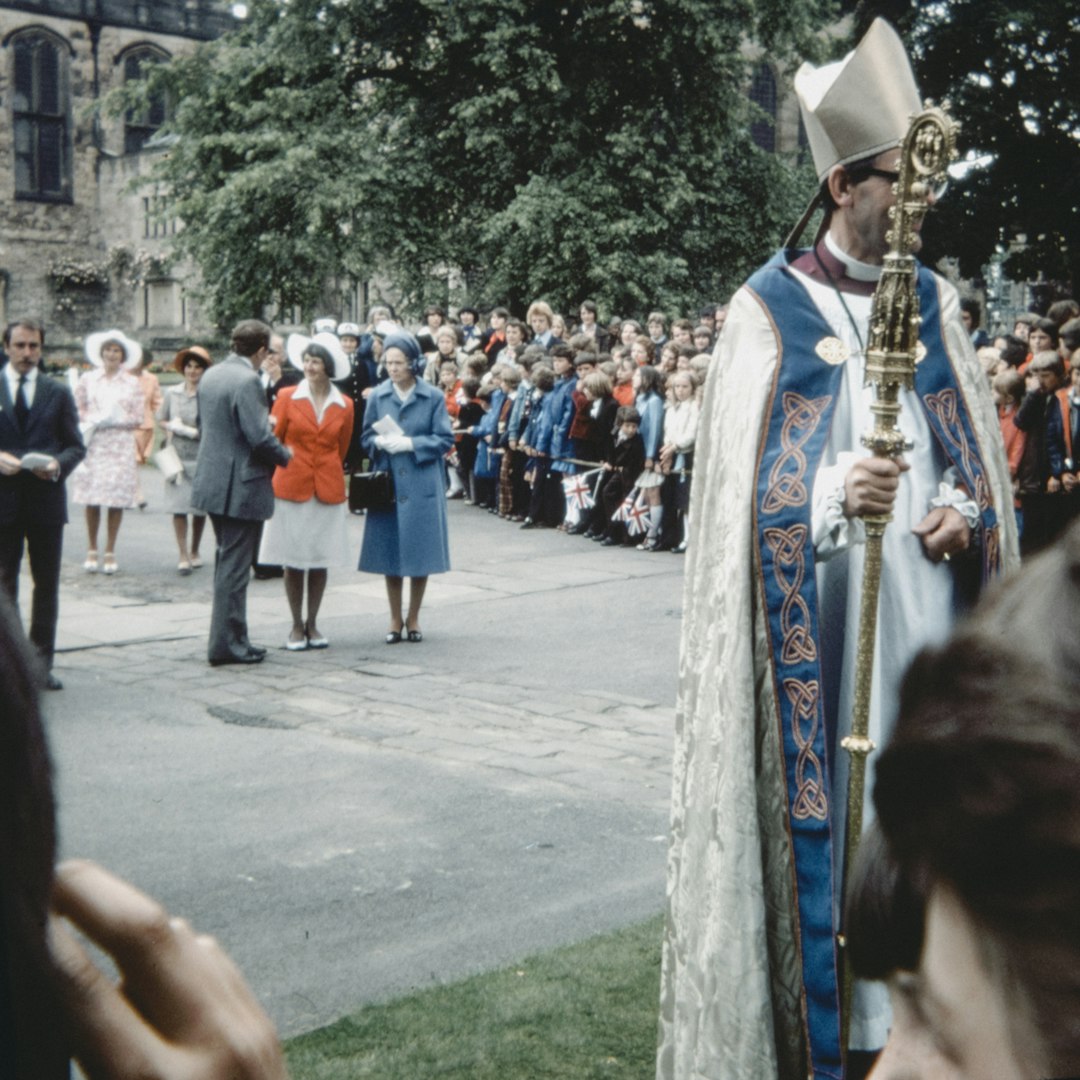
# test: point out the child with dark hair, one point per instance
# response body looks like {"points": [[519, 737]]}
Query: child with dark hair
{"points": [[536, 443], [621, 470], [470, 413]]}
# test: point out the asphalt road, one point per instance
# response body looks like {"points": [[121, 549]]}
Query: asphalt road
{"points": [[356, 823]]}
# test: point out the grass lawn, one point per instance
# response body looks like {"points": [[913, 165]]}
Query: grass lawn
{"points": [[585, 1011]]}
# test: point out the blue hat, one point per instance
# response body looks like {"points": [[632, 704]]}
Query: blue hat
{"points": [[408, 345]]}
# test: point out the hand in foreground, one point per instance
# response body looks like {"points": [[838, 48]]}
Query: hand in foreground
{"points": [[182, 1008], [9, 464], [944, 532], [871, 484]]}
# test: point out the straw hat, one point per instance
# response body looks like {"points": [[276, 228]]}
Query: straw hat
{"points": [[297, 345], [192, 352], [96, 342]]}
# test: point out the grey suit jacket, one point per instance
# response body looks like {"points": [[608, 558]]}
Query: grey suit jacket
{"points": [[237, 449]]}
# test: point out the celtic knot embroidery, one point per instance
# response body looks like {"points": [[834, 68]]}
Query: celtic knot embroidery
{"points": [[945, 408], [801, 418], [789, 568], [810, 799]]}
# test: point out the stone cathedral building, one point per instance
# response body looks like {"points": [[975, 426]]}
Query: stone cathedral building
{"points": [[78, 248]]}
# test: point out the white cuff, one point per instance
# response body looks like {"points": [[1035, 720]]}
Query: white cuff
{"points": [[959, 500], [832, 531]]}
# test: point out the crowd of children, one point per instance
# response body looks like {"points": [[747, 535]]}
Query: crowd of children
{"points": [[587, 429], [1035, 376]]}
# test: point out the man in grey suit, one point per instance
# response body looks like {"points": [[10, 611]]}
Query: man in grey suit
{"points": [[237, 455]]}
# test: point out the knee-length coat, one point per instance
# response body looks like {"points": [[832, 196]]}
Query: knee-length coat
{"points": [[411, 540]]}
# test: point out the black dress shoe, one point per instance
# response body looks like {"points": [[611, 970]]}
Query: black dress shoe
{"points": [[528, 523], [248, 658], [52, 682], [577, 530], [611, 541], [256, 650]]}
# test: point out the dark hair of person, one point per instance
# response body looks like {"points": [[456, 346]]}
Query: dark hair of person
{"points": [[589, 305], [651, 379], [857, 172], [1061, 311], [499, 312], [647, 344], [470, 384], [249, 336], [27, 854], [884, 920], [543, 378], [526, 332], [979, 787], [562, 350], [1070, 334], [1014, 352], [627, 414], [320, 352], [1048, 327], [25, 324], [973, 308], [434, 309], [580, 343], [689, 351]]}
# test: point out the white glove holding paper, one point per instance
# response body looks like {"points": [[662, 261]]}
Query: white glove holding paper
{"points": [[394, 444]]}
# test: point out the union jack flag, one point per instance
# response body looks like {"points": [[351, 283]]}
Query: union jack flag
{"points": [[579, 496], [634, 510]]}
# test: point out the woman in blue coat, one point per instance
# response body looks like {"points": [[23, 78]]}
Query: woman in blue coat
{"points": [[410, 540]]}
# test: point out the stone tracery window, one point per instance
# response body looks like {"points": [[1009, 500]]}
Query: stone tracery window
{"points": [[140, 125], [763, 94], [40, 109]]}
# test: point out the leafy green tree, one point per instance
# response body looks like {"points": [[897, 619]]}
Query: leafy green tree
{"points": [[1012, 73], [584, 148]]}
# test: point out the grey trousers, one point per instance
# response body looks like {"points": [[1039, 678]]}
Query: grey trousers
{"points": [[236, 539]]}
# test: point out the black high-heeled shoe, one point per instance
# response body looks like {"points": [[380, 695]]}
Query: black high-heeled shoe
{"points": [[393, 638]]}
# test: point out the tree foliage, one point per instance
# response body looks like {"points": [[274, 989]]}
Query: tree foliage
{"points": [[584, 148], [1012, 73]]}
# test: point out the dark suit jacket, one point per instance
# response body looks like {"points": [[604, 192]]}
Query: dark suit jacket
{"points": [[52, 428], [237, 448]]}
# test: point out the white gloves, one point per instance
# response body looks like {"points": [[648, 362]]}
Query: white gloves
{"points": [[178, 427], [394, 444]]}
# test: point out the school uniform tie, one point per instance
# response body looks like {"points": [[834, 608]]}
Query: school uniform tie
{"points": [[22, 406]]}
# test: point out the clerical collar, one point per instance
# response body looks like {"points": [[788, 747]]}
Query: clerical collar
{"points": [[857, 271]]}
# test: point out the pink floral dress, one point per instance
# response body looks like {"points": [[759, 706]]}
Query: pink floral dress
{"points": [[109, 411]]}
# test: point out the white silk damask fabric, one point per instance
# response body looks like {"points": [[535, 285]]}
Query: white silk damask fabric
{"points": [[731, 1005]]}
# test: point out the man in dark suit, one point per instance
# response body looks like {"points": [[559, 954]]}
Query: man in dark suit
{"points": [[237, 455], [37, 416]]}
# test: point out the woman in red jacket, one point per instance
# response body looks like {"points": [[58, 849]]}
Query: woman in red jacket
{"points": [[309, 529]]}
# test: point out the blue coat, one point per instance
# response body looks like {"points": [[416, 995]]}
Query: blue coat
{"points": [[562, 416], [412, 539]]}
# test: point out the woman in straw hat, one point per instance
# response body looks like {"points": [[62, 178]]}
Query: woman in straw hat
{"points": [[309, 530], [179, 416], [110, 403]]}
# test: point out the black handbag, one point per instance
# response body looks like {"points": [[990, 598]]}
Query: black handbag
{"points": [[371, 491]]}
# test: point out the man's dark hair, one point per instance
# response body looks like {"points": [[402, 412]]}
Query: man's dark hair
{"points": [[249, 336], [25, 324], [501, 312], [627, 414], [543, 378], [562, 350], [978, 789]]}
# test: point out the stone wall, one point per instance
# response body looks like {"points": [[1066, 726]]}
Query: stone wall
{"points": [[85, 262]]}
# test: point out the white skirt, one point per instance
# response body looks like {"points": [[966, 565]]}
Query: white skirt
{"points": [[308, 535]]}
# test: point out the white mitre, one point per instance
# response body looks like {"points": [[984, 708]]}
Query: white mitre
{"points": [[859, 106]]}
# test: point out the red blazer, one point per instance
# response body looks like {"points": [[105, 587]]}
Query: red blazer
{"points": [[318, 449]]}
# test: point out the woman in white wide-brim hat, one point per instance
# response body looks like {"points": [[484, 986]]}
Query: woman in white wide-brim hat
{"points": [[110, 402], [309, 530]]}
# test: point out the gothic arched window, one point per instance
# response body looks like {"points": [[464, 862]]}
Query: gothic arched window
{"points": [[140, 125], [40, 110], [763, 95]]}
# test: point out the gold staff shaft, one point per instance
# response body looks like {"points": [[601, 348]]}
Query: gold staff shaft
{"points": [[891, 355]]}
